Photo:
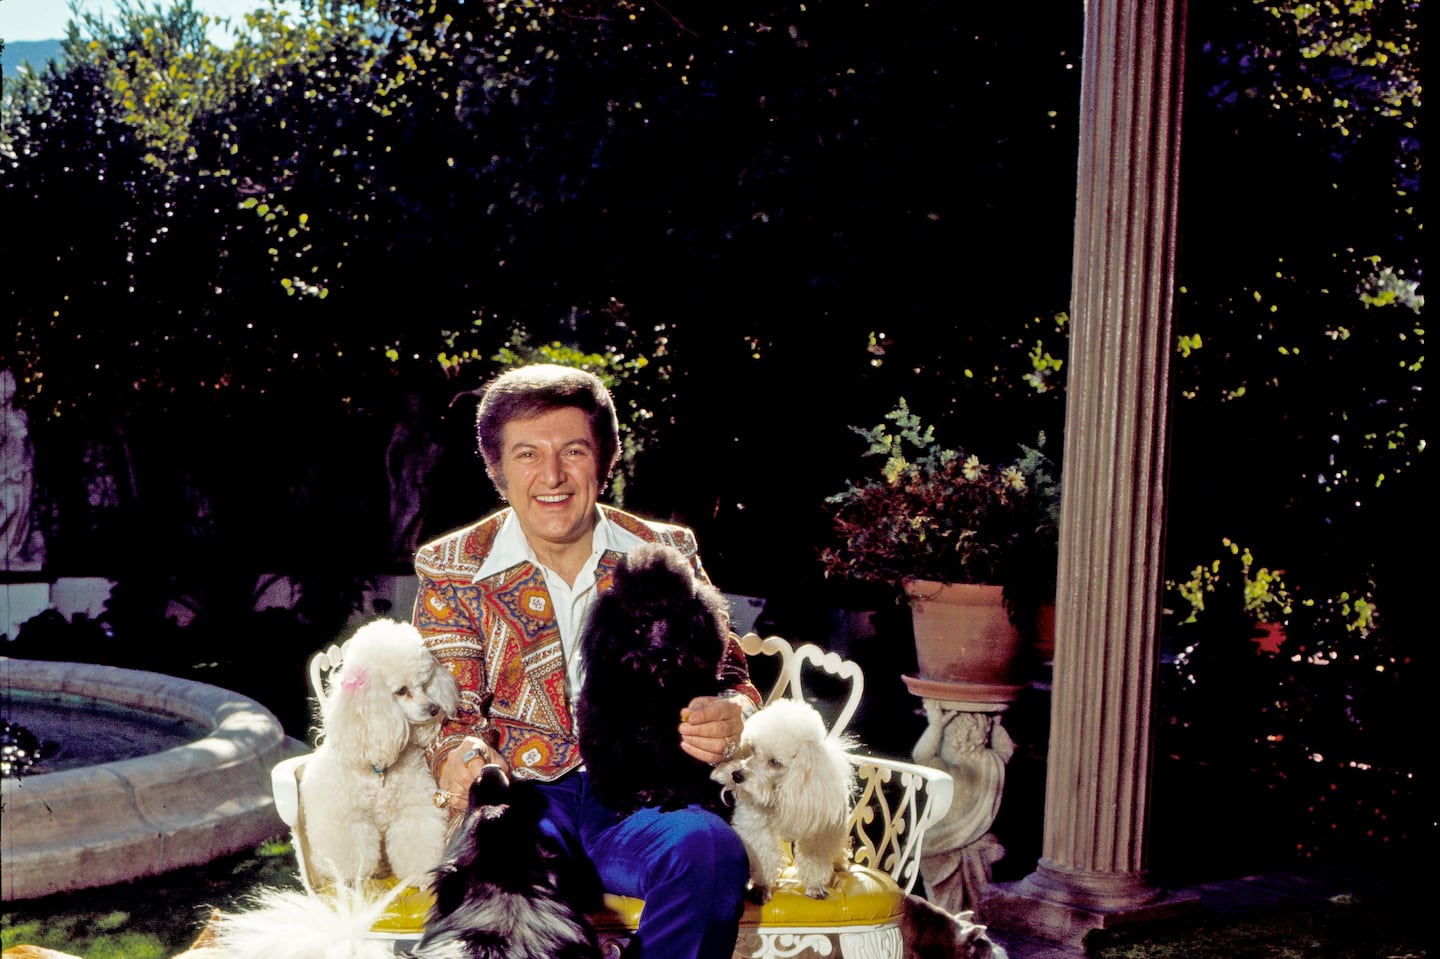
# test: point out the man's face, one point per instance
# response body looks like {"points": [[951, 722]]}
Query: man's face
{"points": [[549, 470]]}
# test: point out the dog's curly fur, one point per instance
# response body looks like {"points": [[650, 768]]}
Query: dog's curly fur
{"points": [[503, 890], [654, 642], [366, 795], [277, 923], [791, 782], [929, 932]]}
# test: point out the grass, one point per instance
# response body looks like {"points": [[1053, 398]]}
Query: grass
{"points": [[158, 917], [152, 918]]}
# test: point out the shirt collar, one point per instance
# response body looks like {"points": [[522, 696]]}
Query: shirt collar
{"points": [[511, 548]]}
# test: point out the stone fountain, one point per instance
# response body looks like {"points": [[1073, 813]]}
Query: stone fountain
{"points": [[115, 821]]}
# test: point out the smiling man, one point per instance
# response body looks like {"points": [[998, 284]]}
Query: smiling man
{"points": [[503, 603]]}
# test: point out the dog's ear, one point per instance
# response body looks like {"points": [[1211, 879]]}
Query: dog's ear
{"points": [[835, 756], [443, 690], [717, 604], [817, 789], [706, 627], [362, 720]]}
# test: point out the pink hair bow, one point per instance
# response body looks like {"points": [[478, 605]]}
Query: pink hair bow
{"points": [[353, 679]]}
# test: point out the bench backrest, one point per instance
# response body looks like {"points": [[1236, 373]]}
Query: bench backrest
{"points": [[898, 801]]}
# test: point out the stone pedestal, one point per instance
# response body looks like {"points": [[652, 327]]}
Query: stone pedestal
{"points": [[964, 737], [1044, 905]]}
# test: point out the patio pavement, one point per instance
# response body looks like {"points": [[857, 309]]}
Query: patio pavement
{"points": [[1243, 897]]}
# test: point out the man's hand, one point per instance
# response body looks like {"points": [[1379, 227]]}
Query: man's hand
{"points": [[456, 774], [710, 728]]}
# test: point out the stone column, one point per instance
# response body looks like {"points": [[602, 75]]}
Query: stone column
{"points": [[1092, 871]]}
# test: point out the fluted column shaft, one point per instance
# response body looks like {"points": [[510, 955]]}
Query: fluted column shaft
{"points": [[1097, 796]]}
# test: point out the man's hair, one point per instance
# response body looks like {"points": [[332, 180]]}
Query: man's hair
{"points": [[530, 391]]}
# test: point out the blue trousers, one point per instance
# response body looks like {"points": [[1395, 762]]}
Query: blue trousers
{"points": [[688, 865]]}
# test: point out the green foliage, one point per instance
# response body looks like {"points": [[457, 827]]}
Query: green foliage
{"points": [[1301, 413], [322, 215], [230, 184], [161, 74], [1263, 590], [1350, 67], [1045, 374], [1292, 697], [1289, 313], [1386, 287]]}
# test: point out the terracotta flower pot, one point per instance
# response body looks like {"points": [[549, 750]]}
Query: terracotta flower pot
{"points": [[963, 634]]}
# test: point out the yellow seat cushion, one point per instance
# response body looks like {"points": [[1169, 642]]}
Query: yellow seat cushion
{"points": [[859, 896], [406, 915]]}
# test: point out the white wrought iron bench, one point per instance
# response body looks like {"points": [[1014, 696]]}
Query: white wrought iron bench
{"points": [[898, 802]]}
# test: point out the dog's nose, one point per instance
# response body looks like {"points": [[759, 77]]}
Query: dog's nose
{"points": [[434, 709], [738, 775]]}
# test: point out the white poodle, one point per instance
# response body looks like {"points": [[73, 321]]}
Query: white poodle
{"points": [[791, 782], [366, 794]]}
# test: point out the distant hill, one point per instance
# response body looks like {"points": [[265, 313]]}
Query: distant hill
{"points": [[34, 52]]}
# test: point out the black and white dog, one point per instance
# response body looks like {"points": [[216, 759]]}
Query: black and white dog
{"points": [[504, 891], [655, 641]]}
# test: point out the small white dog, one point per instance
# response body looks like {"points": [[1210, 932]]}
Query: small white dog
{"points": [[366, 794], [292, 924], [790, 781]]}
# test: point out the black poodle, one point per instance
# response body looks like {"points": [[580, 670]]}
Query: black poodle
{"points": [[655, 641]]}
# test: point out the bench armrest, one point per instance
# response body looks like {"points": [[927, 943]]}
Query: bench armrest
{"points": [[898, 801], [285, 784]]}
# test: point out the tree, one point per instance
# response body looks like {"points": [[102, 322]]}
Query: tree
{"points": [[1301, 262], [1300, 424], [374, 186]]}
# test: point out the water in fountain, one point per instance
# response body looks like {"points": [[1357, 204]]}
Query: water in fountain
{"points": [[55, 731]]}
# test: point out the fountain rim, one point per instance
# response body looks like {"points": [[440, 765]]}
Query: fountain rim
{"points": [[239, 727]]}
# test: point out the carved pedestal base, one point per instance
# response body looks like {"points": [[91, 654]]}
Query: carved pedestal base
{"points": [[964, 737]]}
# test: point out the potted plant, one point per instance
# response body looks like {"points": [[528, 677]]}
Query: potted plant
{"points": [[972, 544]]}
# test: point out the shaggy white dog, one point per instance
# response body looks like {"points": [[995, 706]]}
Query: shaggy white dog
{"points": [[366, 794], [291, 924], [791, 782]]}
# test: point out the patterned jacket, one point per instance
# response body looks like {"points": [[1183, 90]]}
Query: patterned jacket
{"points": [[499, 638]]}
